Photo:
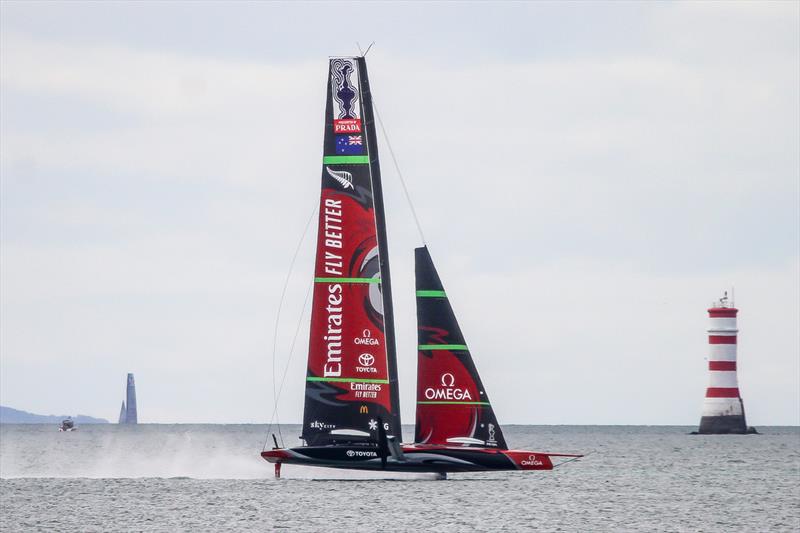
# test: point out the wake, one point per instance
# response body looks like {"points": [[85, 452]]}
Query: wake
{"points": [[154, 451]]}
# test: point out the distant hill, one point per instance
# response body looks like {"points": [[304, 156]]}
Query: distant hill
{"points": [[15, 416]]}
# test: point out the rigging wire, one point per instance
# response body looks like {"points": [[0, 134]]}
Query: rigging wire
{"points": [[278, 319], [574, 459], [391, 153], [288, 361], [399, 173], [362, 52], [369, 48]]}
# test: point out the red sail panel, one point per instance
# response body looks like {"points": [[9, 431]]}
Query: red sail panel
{"points": [[347, 344], [348, 379], [448, 399]]}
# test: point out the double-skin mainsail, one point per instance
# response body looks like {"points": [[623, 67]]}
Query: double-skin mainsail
{"points": [[351, 383]]}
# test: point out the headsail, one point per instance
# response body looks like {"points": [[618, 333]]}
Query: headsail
{"points": [[122, 413], [351, 381], [452, 404]]}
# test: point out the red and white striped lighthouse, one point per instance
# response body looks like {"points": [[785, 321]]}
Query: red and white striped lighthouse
{"points": [[723, 409]]}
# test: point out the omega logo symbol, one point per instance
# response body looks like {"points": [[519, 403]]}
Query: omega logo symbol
{"points": [[448, 391], [531, 461], [448, 380], [366, 339]]}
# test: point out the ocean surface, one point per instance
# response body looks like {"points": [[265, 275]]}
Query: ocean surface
{"points": [[211, 478]]}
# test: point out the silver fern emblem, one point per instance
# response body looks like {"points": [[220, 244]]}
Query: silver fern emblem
{"points": [[344, 178]]}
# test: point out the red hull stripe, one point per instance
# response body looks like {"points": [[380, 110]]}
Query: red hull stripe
{"points": [[719, 392], [423, 347], [452, 403], [722, 339], [729, 312], [722, 365], [347, 380], [347, 280]]}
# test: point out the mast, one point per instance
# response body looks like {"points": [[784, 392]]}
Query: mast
{"points": [[383, 245]]}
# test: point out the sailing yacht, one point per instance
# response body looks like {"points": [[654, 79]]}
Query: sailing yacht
{"points": [[352, 407]]}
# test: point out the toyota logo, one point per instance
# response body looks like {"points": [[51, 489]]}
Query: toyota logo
{"points": [[448, 380], [366, 359]]}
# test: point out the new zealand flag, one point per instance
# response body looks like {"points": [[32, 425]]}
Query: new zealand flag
{"points": [[349, 145]]}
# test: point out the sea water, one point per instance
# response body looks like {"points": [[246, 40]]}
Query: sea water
{"points": [[211, 478]]}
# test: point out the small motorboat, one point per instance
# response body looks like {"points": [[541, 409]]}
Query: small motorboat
{"points": [[67, 425]]}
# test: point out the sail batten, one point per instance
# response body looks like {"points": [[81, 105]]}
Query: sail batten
{"points": [[345, 160], [351, 379], [347, 280], [347, 380]]}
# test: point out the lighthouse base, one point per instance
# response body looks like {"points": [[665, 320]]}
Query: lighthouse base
{"points": [[724, 425]]}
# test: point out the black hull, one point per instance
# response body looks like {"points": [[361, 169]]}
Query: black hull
{"points": [[416, 459]]}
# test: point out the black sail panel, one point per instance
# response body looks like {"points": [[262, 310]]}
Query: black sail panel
{"points": [[452, 404]]}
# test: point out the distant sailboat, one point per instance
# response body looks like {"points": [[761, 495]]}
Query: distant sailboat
{"points": [[128, 413], [352, 408]]}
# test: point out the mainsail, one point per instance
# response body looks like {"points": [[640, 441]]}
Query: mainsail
{"points": [[452, 404], [131, 412], [351, 382]]}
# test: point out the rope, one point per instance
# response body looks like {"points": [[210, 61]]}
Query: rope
{"points": [[275, 393], [399, 173], [289, 360]]}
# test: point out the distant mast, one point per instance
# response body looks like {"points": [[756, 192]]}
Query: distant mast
{"points": [[723, 409], [122, 413], [130, 398]]}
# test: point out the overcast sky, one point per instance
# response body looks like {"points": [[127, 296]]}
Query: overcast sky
{"points": [[589, 177]]}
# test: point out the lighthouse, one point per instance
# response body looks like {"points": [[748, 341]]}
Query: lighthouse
{"points": [[723, 409]]}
